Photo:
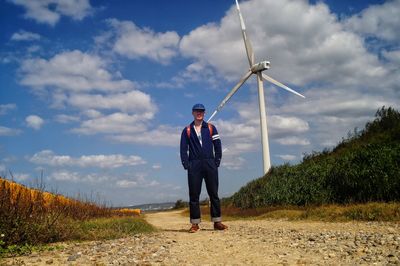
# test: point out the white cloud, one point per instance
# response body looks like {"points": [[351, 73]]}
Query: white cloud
{"points": [[50, 11], [127, 102], [392, 56], [287, 157], [316, 54], [81, 81], [76, 177], [160, 136], [119, 123], [6, 131], [135, 42], [18, 177], [126, 183], [281, 124], [34, 121], [381, 21], [296, 34], [293, 141], [156, 166], [23, 35], [242, 134], [233, 162], [65, 119], [138, 182], [72, 71], [21, 176], [47, 157], [5, 108]]}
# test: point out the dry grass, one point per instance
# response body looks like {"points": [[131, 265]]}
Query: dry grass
{"points": [[30, 217], [374, 211]]}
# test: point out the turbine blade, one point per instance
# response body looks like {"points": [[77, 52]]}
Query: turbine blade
{"points": [[247, 44], [277, 83], [230, 94]]}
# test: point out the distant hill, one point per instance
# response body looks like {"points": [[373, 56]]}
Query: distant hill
{"points": [[153, 206], [363, 167]]}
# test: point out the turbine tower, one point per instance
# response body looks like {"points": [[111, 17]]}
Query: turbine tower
{"points": [[257, 69]]}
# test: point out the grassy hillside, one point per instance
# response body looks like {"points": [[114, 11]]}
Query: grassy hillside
{"points": [[364, 167]]}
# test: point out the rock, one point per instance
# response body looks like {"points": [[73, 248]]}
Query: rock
{"points": [[73, 257]]}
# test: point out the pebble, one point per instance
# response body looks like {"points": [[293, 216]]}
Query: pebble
{"points": [[245, 242]]}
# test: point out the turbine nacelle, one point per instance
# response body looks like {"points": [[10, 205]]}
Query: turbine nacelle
{"points": [[263, 65], [257, 70]]}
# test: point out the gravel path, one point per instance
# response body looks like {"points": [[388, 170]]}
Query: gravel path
{"points": [[249, 242]]}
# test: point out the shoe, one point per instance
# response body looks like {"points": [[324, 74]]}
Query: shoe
{"points": [[194, 228], [220, 226]]}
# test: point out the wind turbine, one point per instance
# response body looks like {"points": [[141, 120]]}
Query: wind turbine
{"points": [[257, 69]]}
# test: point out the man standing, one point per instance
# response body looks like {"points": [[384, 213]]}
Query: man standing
{"points": [[202, 141]]}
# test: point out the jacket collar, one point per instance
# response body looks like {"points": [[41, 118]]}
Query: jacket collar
{"points": [[204, 124]]}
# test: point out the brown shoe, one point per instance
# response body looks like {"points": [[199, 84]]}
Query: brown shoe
{"points": [[194, 228], [220, 226]]}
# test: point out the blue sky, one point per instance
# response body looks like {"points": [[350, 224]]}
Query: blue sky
{"points": [[95, 94]]}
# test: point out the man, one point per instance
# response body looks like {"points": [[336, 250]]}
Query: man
{"points": [[202, 141]]}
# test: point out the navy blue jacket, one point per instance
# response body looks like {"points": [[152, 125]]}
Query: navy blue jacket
{"points": [[210, 148]]}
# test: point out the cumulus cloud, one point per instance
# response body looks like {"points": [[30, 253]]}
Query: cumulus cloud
{"points": [[392, 56], [5, 108], [139, 180], [23, 35], [6, 131], [120, 123], [135, 42], [50, 11], [156, 166], [296, 34], [127, 102], [282, 124], [314, 52], [77, 177], [34, 121], [65, 119], [72, 71], [161, 136], [48, 157], [293, 141], [81, 81], [287, 157], [21, 176], [233, 162], [380, 21]]}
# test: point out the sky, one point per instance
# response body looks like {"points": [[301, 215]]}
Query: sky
{"points": [[94, 95]]}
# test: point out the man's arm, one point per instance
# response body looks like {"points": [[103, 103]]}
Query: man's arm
{"points": [[184, 149], [217, 146]]}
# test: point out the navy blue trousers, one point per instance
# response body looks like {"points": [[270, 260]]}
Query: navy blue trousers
{"points": [[198, 170]]}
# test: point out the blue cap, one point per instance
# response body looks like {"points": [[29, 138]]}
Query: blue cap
{"points": [[198, 106]]}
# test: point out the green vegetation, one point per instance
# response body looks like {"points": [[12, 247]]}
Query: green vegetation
{"points": [[363, 168], [180, 204], [108, 228]]}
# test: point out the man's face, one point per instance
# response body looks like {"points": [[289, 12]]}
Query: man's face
{"points": [[198, 114]]}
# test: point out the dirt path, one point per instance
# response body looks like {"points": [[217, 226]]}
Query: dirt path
{"points": [[246, 242], [271, 242]]}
